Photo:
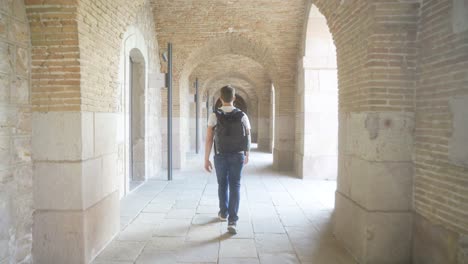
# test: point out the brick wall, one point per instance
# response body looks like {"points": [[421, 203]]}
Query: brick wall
{"points": [[440, 152], [16, 204], [55, 55]]}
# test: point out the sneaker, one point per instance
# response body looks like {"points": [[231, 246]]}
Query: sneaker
{"points": [[232, 228], [222, 217]]}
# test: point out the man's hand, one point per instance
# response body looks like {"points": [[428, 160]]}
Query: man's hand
{"points": [[208, 166], [246, 159]]}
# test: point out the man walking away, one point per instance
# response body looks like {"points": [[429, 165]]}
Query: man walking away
{"points": [[230, 129]]}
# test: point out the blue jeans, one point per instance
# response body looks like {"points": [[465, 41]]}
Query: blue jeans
{"points": [[228, 171]]}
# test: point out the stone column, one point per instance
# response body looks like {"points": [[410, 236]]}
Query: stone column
{"points": [[283, 152], [76, 189], [374, 196], [264, 120]]}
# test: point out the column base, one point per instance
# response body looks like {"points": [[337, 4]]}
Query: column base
{"points": [[283, 160], [373, 236], [433, 243], [75, 236]]}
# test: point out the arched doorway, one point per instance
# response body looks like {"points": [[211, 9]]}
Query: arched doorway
{"points": [[136, 93], [318, 157], [132, 129]]}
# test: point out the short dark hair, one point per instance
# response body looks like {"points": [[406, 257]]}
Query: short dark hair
{"points": [[228, 93]]}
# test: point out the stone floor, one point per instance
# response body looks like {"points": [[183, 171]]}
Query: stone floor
{"points": [[282, 220]]}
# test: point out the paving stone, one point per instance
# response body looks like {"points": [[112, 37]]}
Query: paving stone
{"points": [[121, 251], [137, 232], [273, 243], [239, 261], [240, 248], [173, 227], [279, 258]]}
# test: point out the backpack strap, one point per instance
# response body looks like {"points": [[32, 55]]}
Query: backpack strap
{"points": [[219, 114]]}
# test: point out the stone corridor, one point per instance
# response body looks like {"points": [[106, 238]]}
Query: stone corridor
{"points": [[358, 109], [283, 220]]}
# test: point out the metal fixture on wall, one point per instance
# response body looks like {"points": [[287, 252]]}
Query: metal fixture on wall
{"points": [[169, 110], [197, 143]]}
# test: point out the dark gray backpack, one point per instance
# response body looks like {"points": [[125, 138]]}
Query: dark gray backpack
{"points": [[230, 135]]}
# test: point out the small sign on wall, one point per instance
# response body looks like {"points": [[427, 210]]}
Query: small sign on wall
{"points": [[460, 16]]}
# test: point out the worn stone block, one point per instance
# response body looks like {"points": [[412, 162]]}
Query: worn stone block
{"points": [[59, 237], [3, 26], [373, 236], [19, 31], [433, 243], [460, 16], [4, 88], [22, 62], [102, 223], [283, 160], [7, 53], [458, 152], [384, 136], [382, 186], [62, 136], [5, 223], [389, 237], [57, 186], [105, 127], [75, 236], [20, 91]]}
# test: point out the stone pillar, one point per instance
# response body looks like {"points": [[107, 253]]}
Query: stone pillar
{"points": [[264, 120], [283, 151], [374, 197], [76, 189]]}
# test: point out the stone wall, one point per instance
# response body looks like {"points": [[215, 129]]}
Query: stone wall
{"points": [[440, 151], [16, 200], [77, 150]]}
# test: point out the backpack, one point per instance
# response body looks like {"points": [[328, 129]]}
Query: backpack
{"points": [[230, 135]]}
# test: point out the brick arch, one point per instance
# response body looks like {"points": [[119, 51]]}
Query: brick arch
{"points": [[208, 85], [329, 9], [239, 92], [232, 44], [240, 89]]}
